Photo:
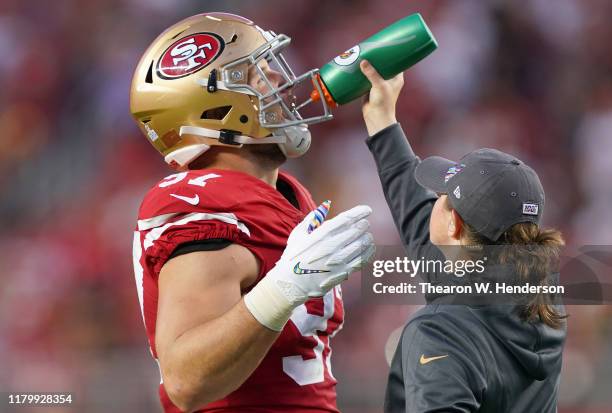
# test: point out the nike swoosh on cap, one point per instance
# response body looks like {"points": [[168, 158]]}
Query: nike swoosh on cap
{"points": [[425, 360], [194, 200]]}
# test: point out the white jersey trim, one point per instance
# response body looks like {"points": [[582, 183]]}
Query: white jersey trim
{"points": [[138, 270], [149, 223], [226, 217]]}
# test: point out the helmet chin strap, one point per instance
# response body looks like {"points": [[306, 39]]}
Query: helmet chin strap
{"points": [[180, 158], [241, 139], [293, 141]]}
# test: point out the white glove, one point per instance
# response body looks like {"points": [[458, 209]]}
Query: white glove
{"points": [[311, 265]]}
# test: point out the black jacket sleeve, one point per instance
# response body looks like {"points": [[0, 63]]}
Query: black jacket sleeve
{"points": [[409, 202], [436, 374]]}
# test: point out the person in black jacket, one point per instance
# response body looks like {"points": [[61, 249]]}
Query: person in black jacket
{"points": [[467, 358]]}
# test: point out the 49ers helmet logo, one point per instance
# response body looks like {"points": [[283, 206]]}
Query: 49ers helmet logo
{"points": [[189, 54]]}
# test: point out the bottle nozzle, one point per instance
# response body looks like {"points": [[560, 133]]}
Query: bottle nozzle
{"points": [[316, 96]]}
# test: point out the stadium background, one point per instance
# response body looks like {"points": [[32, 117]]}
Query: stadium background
{"points": [[532, 78]]}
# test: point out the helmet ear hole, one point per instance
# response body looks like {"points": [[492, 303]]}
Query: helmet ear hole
{"points": [[218, 113]]}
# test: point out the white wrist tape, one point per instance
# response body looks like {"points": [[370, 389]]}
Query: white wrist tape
{"points": [[269, 305]]}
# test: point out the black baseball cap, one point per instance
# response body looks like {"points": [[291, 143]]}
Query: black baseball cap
{"points": [[491, 190]]}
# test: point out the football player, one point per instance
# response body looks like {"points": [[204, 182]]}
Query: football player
{"points": [[238, 280]]}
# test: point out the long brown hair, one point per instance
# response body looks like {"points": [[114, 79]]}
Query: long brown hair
{"points": [[533, 252]]}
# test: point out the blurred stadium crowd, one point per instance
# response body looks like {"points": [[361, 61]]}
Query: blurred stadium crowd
{"points": [[532, 78]]}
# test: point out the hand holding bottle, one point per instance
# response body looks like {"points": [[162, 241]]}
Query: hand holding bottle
{"points": [[379, 104]]}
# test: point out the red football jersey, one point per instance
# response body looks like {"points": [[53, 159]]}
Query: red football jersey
{"points": [[295, 375]]}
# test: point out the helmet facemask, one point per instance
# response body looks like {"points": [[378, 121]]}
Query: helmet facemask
{"points": [[279, 103], [279, 106]]}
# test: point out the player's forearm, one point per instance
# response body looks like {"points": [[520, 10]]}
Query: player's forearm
{"points": [[210, 361]]}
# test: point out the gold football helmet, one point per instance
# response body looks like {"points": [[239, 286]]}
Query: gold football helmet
{"points": [[194, 88]]}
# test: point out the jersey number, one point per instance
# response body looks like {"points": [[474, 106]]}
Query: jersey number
{"points": [[310, 371], [199, 181]]}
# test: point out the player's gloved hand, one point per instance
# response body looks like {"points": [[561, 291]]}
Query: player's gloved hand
{"points": [[313, 262]]}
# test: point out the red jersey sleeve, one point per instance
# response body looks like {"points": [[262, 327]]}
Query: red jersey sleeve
{"points": [[188, 207]]}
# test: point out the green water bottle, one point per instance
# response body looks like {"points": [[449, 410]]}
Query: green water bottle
{"points": [[391, 51]]}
